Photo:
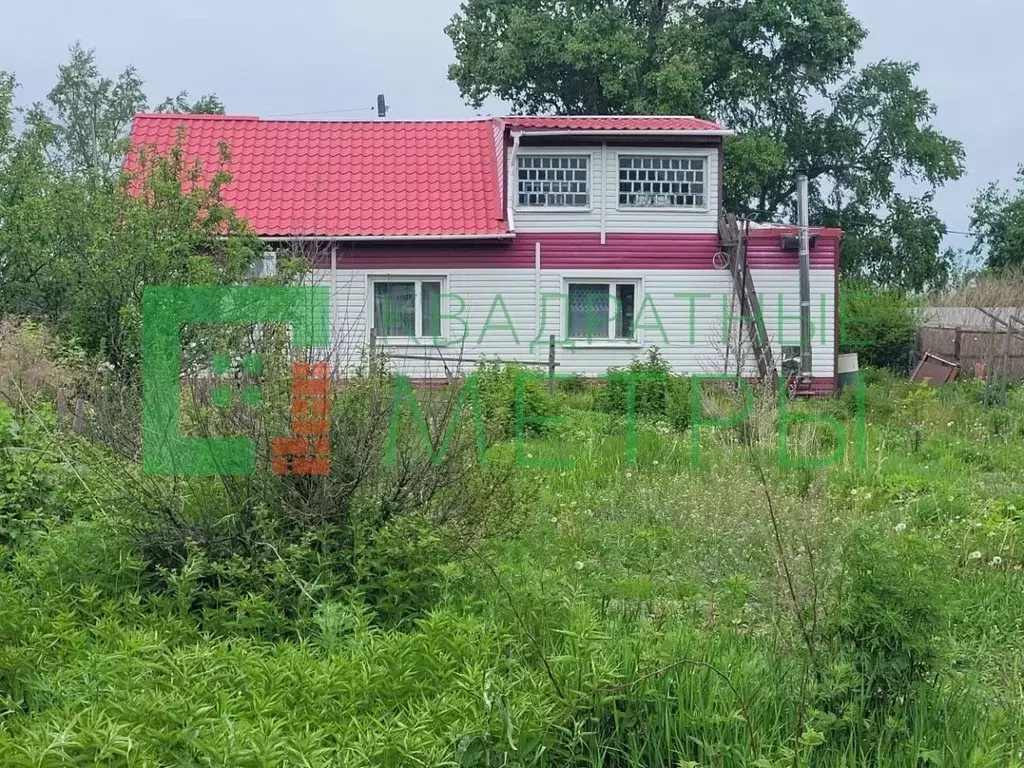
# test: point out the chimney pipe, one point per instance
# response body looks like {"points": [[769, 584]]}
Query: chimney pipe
{"points": [[805, 277]]}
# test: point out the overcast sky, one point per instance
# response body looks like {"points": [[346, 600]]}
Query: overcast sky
{"points": [[329, 58]]}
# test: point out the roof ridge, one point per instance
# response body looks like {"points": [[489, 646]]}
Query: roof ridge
{"points": [[192, 116]]}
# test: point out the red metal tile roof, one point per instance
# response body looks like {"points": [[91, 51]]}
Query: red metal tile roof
{"points": [[384, 178], [597, 123], [345, 179]]}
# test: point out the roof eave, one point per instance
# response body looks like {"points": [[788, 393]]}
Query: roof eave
{"points": [[384, 238], [603, 132]]}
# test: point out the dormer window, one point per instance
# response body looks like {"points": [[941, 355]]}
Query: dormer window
{"points": [[553, 181], [662, 181]]}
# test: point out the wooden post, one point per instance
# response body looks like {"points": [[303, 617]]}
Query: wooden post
{"points": [[551, 364], [62, 409], [989, 373], [78, 426], [957, 342], [1006, 364]]}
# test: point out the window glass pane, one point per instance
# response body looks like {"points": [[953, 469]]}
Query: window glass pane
{"points": [[659, 182], [553, 181], [430, 307], [625, 310], [394, 309], [588, 310]]}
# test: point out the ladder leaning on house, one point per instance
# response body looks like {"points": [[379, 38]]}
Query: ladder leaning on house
{"points": [[733, 235]]}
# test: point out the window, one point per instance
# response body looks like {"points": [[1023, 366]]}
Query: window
{"points": [[553, 181], [602, 310], [266, 266], [661, 181], [407, 308]]}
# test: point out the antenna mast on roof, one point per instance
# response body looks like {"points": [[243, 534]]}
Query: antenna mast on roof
{"points": [[382, 106]]}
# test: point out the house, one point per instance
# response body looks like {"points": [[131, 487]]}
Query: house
{"points": [[455, 240]]}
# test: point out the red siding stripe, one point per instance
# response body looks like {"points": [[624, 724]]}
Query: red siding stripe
{"points": [[577, 251]]}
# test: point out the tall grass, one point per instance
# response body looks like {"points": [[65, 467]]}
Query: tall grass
{"points": [[647, 611]]}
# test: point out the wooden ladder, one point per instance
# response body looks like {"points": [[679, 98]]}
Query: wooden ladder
{"points": [[732, 233]]}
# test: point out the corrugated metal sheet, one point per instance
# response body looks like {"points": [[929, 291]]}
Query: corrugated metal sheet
{"points": [[343, 179]]}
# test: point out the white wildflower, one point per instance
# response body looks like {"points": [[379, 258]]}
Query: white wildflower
{"points": [[629, 475], [579, 565], [975, 555], [554, 519], [996, 561], [901, 527]]}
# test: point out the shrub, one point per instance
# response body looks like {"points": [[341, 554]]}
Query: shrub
{"points": [[29, 480], [33, 364], [880, 326], [573, 385], [393, 510], [657, 393], [888, 613], [509, 393]]}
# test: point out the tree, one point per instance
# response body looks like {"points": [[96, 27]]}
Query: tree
{"points": [[998, 220], [88, 116], [208, 104], [781, 72], [30, 274], [79, 237]]}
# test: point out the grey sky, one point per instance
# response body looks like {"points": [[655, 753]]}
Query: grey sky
{"points": [[268, 58]]}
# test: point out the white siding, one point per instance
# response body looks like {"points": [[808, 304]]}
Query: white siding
{"points": [[689, 349], [604, 196]]}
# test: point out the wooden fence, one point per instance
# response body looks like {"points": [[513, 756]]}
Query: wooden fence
{"points": [[997, 350]]}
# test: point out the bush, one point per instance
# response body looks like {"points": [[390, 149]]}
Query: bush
{"points": [[886, 619], [657, 393], [880, 326], [29, 480], [502, 388], [393, 510], [33, 364]]}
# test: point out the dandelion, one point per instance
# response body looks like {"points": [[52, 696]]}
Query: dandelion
{"points": [[975, 555], [629, 475], [554, 519], [950, 424], [996, 561], [579, 565], [529, 455], [901, 527]]}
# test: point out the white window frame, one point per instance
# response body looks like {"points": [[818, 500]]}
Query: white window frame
{"points": [[418, 279], [665, 155], [593, 180], [611, 281]]}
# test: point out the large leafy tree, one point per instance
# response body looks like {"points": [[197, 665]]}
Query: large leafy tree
{"points": [[79, 239], [998, 221], [781, 72]]}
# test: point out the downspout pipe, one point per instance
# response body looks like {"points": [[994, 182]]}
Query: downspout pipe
{"points": [[805, 277], [510, 180]]}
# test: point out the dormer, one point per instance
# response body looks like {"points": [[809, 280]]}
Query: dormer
{"points": [[613, 174]]}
